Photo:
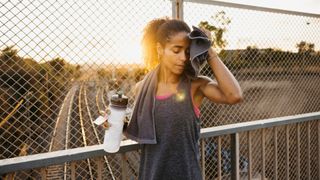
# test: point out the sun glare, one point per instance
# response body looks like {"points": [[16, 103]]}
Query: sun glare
{"points": [[131, 52]]}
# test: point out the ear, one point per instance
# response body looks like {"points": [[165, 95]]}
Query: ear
{"points": [[160, 49]]}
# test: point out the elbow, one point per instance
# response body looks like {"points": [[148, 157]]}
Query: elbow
{"points": [[235, 98]]}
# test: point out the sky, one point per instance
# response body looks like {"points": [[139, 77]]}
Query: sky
{"points": [[109, 31], [263, 29], [310, 6]]}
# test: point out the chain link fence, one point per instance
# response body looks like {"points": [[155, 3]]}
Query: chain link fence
{"points": [[274, 57], [60, 62]]}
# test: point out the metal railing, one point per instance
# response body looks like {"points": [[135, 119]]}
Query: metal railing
{"points": [[228, 166]]}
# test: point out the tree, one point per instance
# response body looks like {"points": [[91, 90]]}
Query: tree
{"points": [[8, 53], [304, 47], [57, 64], [217, 29]]}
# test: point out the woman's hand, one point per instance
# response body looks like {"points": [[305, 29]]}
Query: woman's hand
{"points": [[207, 32], [212, 53], [106, 125]]}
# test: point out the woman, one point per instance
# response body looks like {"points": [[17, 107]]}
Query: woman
{"points": [[170, 133]]}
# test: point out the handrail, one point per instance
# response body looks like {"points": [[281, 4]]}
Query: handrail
{"points": [[62, 156], [59, 157], [259, 124]]}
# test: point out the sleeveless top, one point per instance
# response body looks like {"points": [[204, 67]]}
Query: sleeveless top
{"points": [[176, 154]]}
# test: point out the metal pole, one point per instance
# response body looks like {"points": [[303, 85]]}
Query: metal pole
{"points": [[235, 156], [73, 170], [124, 166], [219, 158], [177, 9], [287, 152], [275, 153], [308, 151], [255, 8], [43, 173], [298, 151], [318, 131], [99, 162], [249, 156], [203, 159], [263, 152]]}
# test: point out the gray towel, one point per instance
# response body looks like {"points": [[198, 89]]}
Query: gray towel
{"points": [[141, 127], [200, 43]]}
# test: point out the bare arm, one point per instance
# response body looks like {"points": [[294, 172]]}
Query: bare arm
{"points": [[227, 89]]}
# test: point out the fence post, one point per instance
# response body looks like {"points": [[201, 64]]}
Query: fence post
{"points": [[124, 166], [276, 153], [263, 153], [318, 131], [235, 156], [203, 159], [73, 170], [99, 167], [219, 158], [249, 156], [43, 172], [287, 152], [177, 9]]}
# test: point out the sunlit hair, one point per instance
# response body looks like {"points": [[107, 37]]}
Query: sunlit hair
{"points": [[159, 30]]}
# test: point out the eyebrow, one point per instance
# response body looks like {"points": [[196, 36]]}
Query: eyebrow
{"points": [[177, 46]]}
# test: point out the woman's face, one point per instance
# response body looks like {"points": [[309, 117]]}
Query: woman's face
{"points": [[176, 53]]}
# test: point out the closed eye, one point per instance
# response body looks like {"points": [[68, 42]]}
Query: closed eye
{"points": [[176, 50]]}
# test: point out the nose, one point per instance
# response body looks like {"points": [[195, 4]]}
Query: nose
{"points": [[184, 56]]}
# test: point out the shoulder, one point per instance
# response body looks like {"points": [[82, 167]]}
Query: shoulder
{"points": [[138, 86]]}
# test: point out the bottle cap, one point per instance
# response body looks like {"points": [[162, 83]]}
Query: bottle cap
{"points": [[119, 100]]}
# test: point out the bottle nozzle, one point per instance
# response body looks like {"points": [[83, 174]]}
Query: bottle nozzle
{"points": [[119, 94], [119, 100]]}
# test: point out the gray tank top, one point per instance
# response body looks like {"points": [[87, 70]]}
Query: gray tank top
{"points": [[176, 155]]}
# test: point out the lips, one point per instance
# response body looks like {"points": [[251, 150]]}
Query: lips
{"points": [[180, 66]]}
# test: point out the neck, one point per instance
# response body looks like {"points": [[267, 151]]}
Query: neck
{"points": [[167, 77]]}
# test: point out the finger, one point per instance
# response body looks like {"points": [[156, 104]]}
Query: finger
{"points": [[206, 31], [106, 125]]}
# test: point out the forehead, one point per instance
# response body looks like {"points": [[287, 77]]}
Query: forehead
{"points": [[179, 39]]}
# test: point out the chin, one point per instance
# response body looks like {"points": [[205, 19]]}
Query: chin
{"points": [[179, 71]]}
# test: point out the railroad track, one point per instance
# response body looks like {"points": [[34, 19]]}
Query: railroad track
{"points": [[76, 123], [70, 130], [74, 128], [61, 127]]}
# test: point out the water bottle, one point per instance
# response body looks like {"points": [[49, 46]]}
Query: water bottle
{"points": [[113, 135]]}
